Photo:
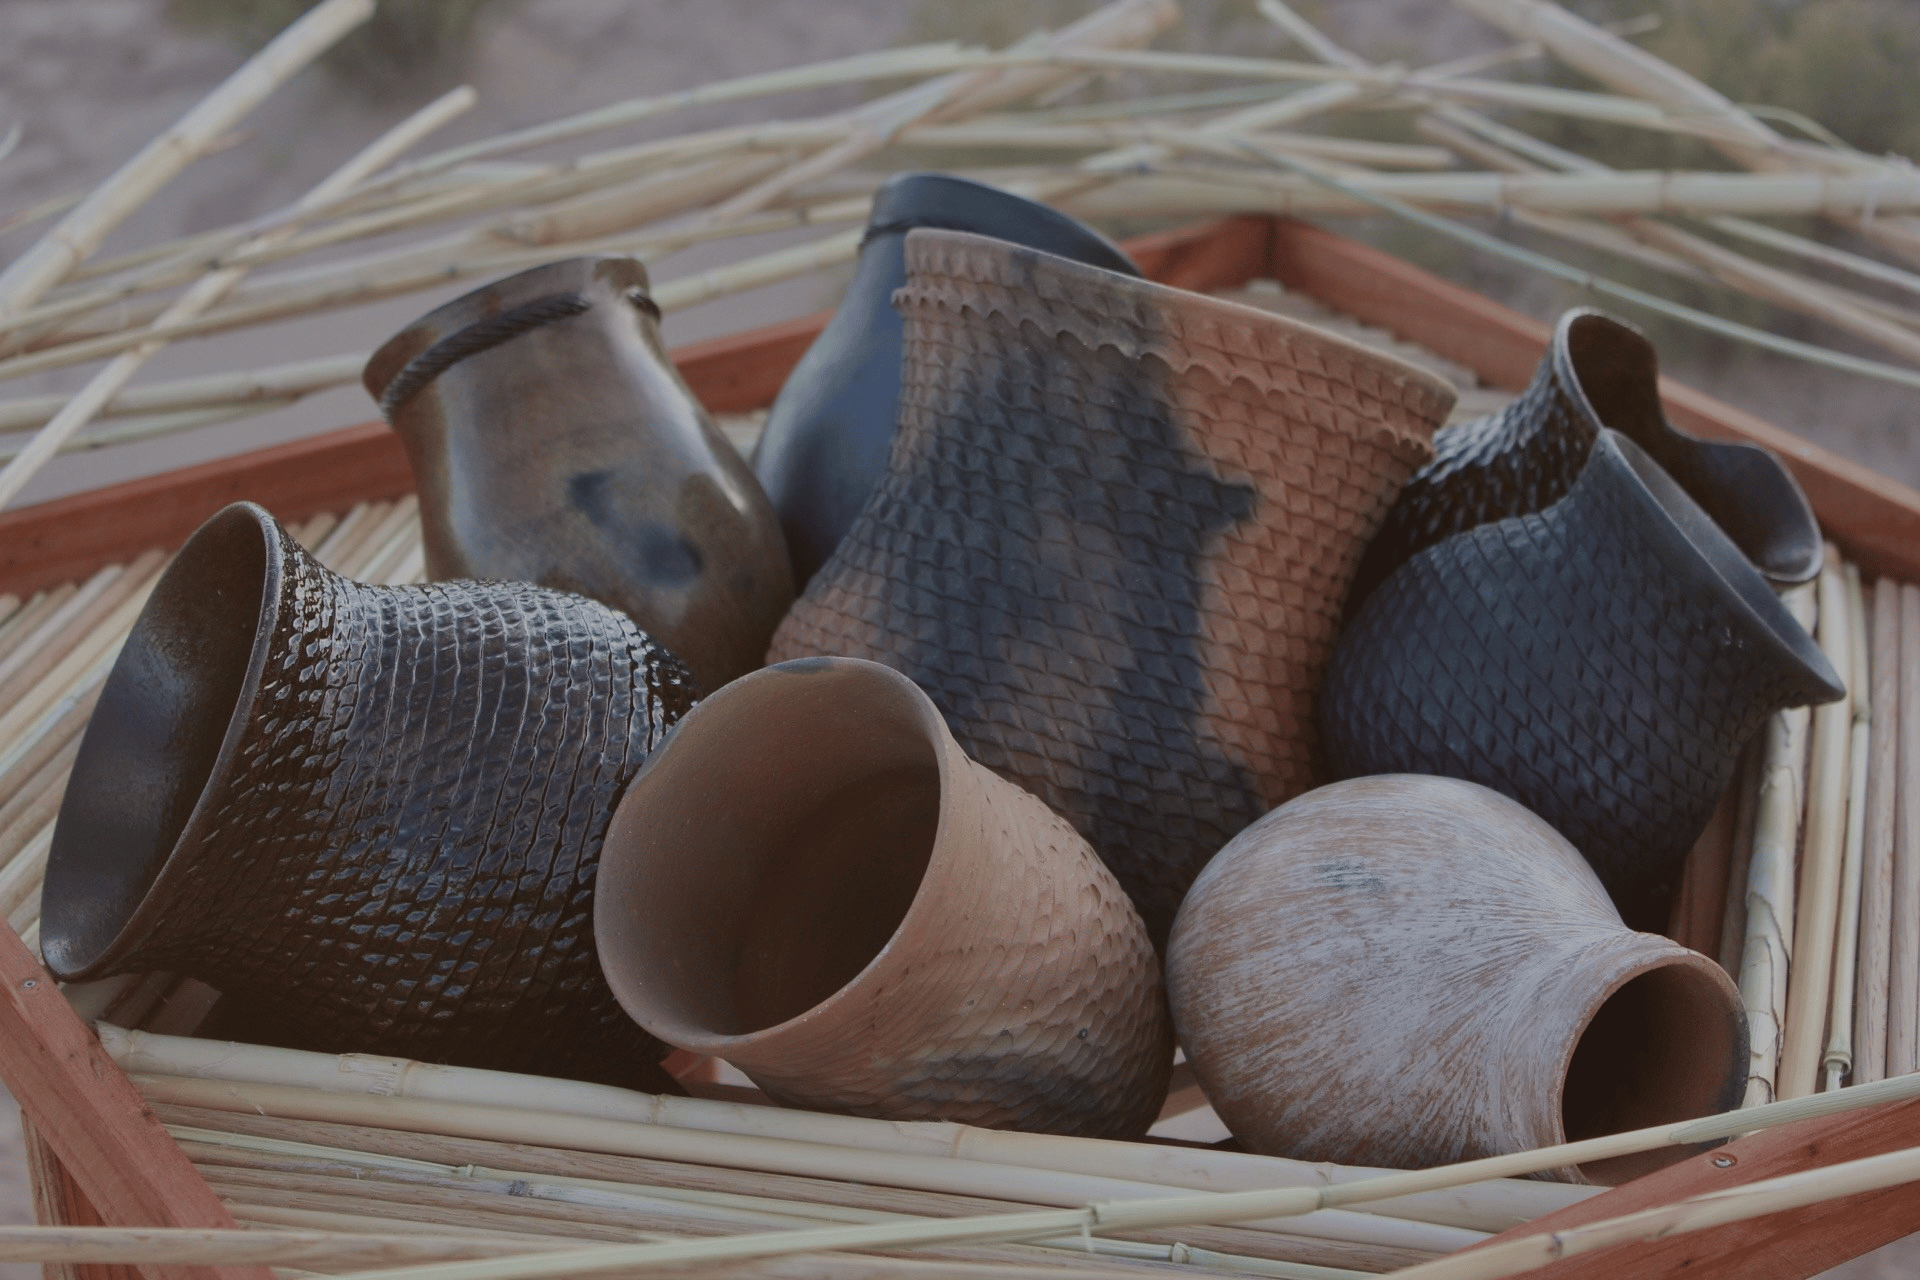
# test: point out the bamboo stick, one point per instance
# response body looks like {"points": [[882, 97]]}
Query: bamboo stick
{"points": [[322, 1249], [35, 642], [1490, 1208], [1838, 1061], [21, 877], [353, 530], [34, 806], [31, 614], [87, 660], [1733, 919], [23, 760], [276, 384], [211, 288], [80, 232], [1903, 995], [1880, 886], [465, 1160], [1817, 915], [1770, 881]]}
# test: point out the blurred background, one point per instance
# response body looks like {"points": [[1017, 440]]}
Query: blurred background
{"points": [[89, 81]]}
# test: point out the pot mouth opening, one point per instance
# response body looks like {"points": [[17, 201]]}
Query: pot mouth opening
{"points": [[1664, 1047], [1692, 531], [771, 850], [1616, 372], [949, 203], [169, 716]]}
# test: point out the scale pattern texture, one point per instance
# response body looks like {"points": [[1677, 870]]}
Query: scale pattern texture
{"points": [[1559, 659], [404, 860], [1113, 540]]}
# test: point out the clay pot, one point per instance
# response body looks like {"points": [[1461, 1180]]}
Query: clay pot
{"points": [[1599, 372], [826, 439], [554, 442], [370, 816], [1602, 661], [1113, 540], [1407, 971], [812, 881]]}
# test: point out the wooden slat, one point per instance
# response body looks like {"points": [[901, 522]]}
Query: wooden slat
{"points": [[1875, 520], [1782, 1246], [89, 1116], [58, 1201]]}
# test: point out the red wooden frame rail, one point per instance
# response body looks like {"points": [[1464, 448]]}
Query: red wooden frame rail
{"points": [[1780, 1246]]}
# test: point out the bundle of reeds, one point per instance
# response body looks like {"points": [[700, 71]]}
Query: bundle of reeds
{"points": [[382, 226]]}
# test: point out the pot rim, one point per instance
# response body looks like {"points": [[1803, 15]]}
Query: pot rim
{"points": [[631, 991], [568, 278], [1689, 540], [214, 783], [1127, 299], [925, 198]]}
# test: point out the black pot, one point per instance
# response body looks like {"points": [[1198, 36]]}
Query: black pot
{"points": [[1602, 661], [1599, 373], [555, 442], [371, 816], [825, 443]]}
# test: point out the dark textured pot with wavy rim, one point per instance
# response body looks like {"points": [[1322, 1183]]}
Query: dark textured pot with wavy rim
{"points": [[813, 882], [826, 438], [371, 816], [1410, 971], [1113, 539], [1602, 661], [1599, 372], [554, 442]]}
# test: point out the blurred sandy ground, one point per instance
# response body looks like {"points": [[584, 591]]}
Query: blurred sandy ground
{"points": [[91, 80]]}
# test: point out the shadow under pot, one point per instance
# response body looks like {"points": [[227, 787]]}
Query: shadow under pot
{"points": [[1603, 662], [826, 438], [554, 442], [811, 881], [1503, 1005], [1113, 539], [370, 816], [1599, 373]]}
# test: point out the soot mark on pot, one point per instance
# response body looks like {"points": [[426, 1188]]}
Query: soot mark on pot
{"points": [[1058, 562], [663, 554], [1353, 876]]}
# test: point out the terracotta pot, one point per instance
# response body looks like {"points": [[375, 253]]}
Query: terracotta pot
{"points": [[812, 881], [554, 442], [369, 815], [1602, 661], [1599, 372], [1407, 971], [1113, 540], [826, 440]]}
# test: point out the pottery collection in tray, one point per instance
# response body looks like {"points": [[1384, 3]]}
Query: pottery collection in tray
{"points": [[1078, 662]]}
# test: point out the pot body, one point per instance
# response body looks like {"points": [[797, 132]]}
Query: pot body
{"points": [[1113, 539], [826, 439], [371, 816], [1599, 373], [554, 442], [1409, 971], [812, 881], [1602, 661]]}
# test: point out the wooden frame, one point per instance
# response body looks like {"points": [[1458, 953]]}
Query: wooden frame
{"points": [[101, 1156]]}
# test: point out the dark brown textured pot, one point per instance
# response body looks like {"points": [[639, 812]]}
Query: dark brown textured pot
{"points": [[369, 815], [1408, 971], [554, 442], [1113, 540], [812, 881]]}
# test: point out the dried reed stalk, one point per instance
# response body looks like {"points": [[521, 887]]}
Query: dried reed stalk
{"points": [[1486, 1208], [32, 613], [325, 1250], [1880, 885], [89, 609], [24, 759], [1770, 881], [211, 288], [1838, 1060], [1903, 996], [1817, 915], [1733, 918], [341, 1150], [80, 232], [275, 385]]}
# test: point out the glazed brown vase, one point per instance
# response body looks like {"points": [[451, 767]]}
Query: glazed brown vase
{"points": [[1406, 971], [370, 816], [554, 442], [1113, 539], [813, 882]]}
